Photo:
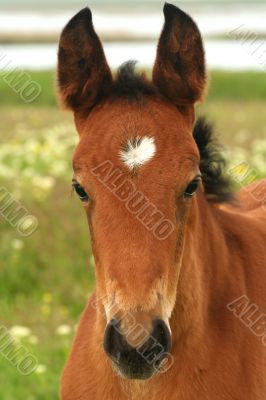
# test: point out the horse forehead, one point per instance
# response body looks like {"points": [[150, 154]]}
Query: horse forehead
{"points": [[129, 120], [126, 136], [144, 156], [134, 137]]}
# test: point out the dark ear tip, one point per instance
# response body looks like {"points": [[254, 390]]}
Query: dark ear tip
{"points": [[83, 16], [86, 13], [171, 11]]}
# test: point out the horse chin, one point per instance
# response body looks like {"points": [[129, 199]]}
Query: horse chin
{"points": [[134, 373]]}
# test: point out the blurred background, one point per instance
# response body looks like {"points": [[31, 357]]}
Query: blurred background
{"points": [[46, 275]]}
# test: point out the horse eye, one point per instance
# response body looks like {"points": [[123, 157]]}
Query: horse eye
{"points": [[192, 187], [80, 191]]}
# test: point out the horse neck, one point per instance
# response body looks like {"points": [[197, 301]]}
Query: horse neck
{"points": [[203, 273]]}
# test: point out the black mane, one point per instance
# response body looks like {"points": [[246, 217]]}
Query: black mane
{"points": [[218, 185], [131, 85]]}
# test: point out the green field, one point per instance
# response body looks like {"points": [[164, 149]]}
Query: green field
{"points": [[46, 278], [240, 86]]}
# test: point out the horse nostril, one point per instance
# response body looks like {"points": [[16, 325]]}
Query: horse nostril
{"points": [[113, 340], [162, 335], [158, 344]]}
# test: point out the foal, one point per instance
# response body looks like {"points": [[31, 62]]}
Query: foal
{"points": [[178, 308]]}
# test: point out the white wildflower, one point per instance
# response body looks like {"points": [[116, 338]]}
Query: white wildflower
{"points": [[44, 183], [40, 369], [63, 330], [17, 244], [20, 331], [33, 339]]}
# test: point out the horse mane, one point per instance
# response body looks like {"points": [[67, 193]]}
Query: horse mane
{"points": [[131, 85], [217, 185]]}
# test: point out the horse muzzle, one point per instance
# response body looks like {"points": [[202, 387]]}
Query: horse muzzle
{"points": [[139, 361]]}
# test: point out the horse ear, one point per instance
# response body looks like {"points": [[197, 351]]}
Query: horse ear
{"points": [[83, 73], [179, 70]]}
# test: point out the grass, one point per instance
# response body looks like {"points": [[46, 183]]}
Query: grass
{"points": [[10, 80], [242, 86], [45, 279]]}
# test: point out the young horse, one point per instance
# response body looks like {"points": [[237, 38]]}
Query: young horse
{"points": [[178, 308]]}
